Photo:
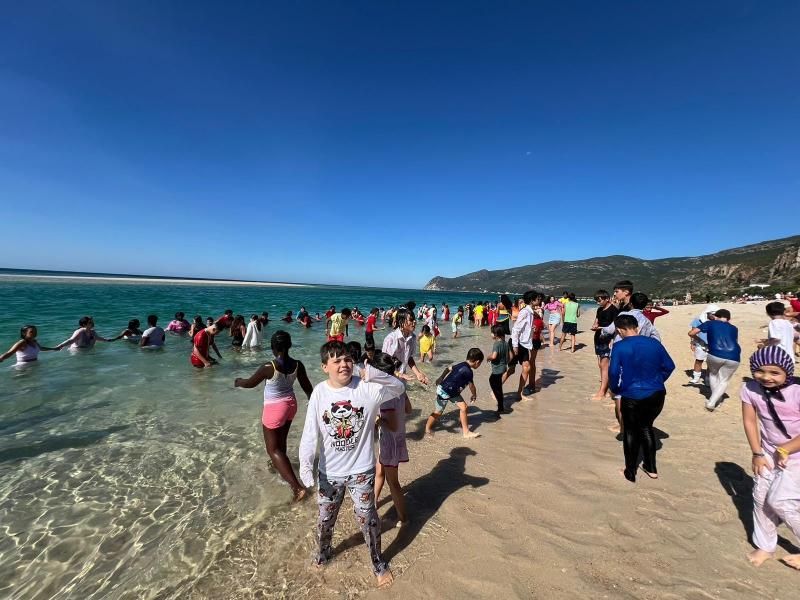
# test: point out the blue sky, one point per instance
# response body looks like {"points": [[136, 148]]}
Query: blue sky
{"points": [[383, 143]]}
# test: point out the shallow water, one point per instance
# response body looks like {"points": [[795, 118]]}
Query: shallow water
{"points": [[125, 473]]}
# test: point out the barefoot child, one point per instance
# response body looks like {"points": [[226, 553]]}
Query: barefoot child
{"points": [[771, 416], [450, 384], [455, 324], [499, 360], [392, 444], [339, 418], [280, 404], [639, 367], [606, 313], [427, 344]]}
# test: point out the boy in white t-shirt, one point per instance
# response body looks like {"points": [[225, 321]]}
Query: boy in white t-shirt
{"points": [[341, 416], [781, 331]]}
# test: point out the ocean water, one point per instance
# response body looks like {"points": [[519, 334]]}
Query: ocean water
{"points": [[125, 473]]}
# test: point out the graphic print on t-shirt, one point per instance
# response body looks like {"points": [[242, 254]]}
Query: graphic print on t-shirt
{"points": [[344, 422]]}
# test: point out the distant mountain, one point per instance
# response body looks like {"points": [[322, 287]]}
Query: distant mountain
{"points": [[776, 262]]}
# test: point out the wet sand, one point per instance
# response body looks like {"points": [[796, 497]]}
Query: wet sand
{"points": [[536, 507]]}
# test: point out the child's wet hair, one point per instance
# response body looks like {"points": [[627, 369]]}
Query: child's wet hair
{"points": [[346, 312], [25, 329], [280, 342], [354, 349], [84, 321], [133, 324], [332, 349], [475, 355], [498, 331], [385, 362], [152, 320], [426, 329]]}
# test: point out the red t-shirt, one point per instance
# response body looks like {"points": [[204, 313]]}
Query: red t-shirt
{"points": [[538, 325], [224, 320], [201, 342], [371, 323], [329, 314], [795, 305]]}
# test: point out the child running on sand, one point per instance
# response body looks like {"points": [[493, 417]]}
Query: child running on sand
{"points": [[427, 344], [26, 347], [392, 439], [280, 404], [771, 416], [449, 386], [340, 417]]}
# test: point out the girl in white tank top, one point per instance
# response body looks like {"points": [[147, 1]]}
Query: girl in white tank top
{"points": [[26, 348]]}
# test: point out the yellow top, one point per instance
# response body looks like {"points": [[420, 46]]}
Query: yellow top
{"points": [[426, 343], [479, 310], [337, 324]]}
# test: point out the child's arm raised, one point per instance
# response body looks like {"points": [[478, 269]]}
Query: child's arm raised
{"points": [[12, 350], [263, 372]]}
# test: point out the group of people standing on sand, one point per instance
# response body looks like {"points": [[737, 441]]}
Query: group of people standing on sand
{"points": [[364, 396]]}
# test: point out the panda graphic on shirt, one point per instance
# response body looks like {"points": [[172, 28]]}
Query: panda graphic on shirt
{"points": [[344, 423]]}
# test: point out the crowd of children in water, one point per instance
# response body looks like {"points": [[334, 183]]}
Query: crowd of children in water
{"points": [[364, 393]]}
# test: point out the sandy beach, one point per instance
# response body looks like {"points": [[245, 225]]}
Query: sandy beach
{"points": [[536, 507], [148, 280]]}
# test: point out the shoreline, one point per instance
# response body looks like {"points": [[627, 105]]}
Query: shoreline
{"points": [[121, 279]]}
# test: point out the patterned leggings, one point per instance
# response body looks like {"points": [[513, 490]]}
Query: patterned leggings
{"points": [[330, 497]]}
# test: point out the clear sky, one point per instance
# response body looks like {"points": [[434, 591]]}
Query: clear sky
{"points": [[383, 143]]}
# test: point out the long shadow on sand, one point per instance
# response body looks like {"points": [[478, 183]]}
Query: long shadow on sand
{"points": [[424, 496], [739, 485]]}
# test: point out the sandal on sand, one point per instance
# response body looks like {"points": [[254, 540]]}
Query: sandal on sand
{"points": [[649, 474]]}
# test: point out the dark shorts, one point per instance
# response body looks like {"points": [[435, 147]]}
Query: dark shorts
{"points": [[537, 344], [523, 355], [569, 329], [602, 350], [370, 337]]}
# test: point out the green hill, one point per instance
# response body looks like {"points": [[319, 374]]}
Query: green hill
{"points": [[775, 262]]}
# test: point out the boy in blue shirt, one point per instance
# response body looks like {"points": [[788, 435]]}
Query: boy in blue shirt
{"points": [[450, 384], [637, 372]]}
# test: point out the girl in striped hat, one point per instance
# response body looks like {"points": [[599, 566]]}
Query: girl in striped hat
{"points": [[771, 414]]}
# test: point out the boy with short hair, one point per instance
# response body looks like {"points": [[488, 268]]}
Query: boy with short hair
{"points": [[372, 325], [450, 384], [637, 372], [606, 313], [154, 335], [336, 327], [781, 331], [572, 310], [340, 416]]}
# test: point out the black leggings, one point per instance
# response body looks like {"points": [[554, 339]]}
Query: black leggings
{"points": [[637, 421], [496, 385]]}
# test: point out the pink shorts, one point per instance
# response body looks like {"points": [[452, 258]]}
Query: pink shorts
{"points": [[278, 412]]}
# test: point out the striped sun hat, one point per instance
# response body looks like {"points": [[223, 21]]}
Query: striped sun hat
{"points": [[772, 355]]}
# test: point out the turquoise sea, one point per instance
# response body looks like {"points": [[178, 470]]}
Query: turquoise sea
{"points": [[125, 473]]}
